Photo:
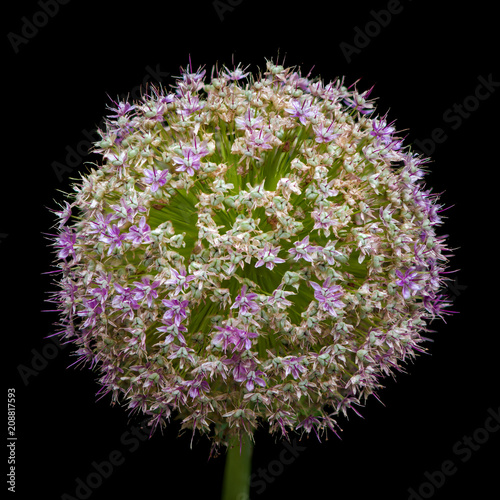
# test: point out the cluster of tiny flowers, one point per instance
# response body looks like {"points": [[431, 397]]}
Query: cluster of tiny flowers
{"points": [[251, 250]]}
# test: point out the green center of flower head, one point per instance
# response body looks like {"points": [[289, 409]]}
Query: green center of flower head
{"points": [[259, 250]]}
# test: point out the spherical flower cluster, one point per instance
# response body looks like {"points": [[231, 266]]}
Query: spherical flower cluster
{"points": [[251, 250]]}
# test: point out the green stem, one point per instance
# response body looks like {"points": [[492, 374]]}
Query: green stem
{"points": [[236, 484]]}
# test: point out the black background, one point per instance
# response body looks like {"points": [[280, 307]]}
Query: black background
{"points": [[425, 61]]}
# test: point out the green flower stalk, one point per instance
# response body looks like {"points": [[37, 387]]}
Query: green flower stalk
{"points": [[251, 250]]}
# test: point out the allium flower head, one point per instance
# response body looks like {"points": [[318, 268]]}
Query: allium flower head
{"points": [[251, 250]]}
